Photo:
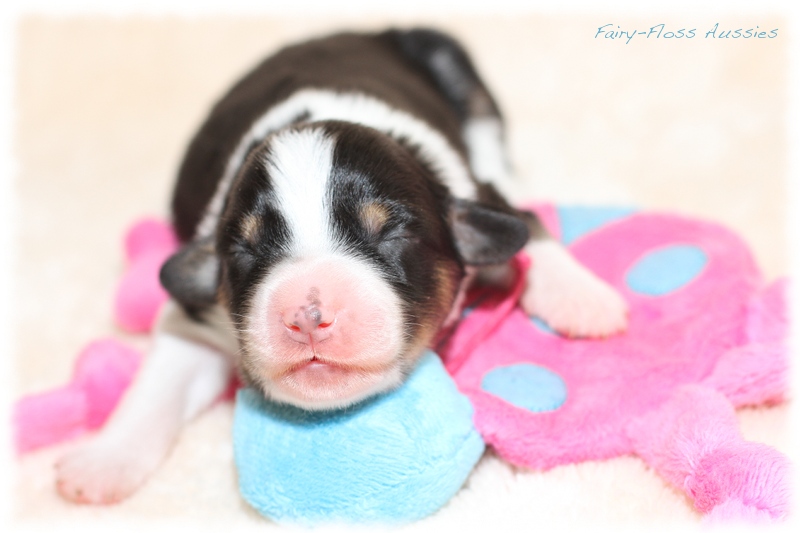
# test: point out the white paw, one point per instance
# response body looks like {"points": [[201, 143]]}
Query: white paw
{"points": [[101, 473], [569, 297]]}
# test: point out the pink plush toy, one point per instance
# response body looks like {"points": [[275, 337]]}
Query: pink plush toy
{"points": [[139, 295], [706, 335], [103, 371]]}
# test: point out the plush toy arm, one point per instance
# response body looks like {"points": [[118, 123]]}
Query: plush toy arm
{"points": [[757, 372], [148, 244], [48, 417], [768, 317], [693, 441], [103, 371]]}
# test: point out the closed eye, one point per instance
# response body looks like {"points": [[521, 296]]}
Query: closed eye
{"points": [[396, 233], [241, 251]]}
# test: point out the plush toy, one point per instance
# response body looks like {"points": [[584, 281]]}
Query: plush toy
{"points": [[706, 335], [103, 370], [391, 459]]}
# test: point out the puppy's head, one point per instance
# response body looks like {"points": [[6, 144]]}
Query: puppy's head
{"points": [[338, 255]]}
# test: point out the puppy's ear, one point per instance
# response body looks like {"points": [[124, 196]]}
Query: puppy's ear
{"points": [[485, 236], [191, 276]]}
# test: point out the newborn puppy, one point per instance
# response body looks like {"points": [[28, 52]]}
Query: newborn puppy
{"points": [[333, 209]]}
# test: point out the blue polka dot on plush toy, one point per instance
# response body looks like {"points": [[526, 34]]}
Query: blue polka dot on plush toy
{"points": [[528, 386], [542, 326], [577, 221], [395, 458], [666, 270]]}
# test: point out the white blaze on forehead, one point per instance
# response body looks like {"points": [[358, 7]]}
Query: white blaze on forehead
{"points": [[299, 166], [349, 107]]}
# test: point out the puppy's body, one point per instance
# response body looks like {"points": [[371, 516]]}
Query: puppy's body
{"points": [[332, 208], [325, 78]]}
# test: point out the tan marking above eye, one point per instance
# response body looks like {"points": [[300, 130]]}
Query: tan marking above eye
{"points": [[374, 217], [250, 228]]}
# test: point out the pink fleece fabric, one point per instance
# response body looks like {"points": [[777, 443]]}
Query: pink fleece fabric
{"points": [[666, 389]]}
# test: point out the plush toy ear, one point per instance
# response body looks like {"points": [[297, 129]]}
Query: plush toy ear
{"points": [[191, 275], [485, 236]]}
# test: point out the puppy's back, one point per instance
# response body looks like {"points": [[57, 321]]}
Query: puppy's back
{"points": [[372, 64]]}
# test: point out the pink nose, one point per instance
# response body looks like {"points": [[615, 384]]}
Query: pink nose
{"points": [[309, 321]]}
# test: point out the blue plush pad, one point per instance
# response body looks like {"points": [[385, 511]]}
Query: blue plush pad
{"points": [[391, 459]]}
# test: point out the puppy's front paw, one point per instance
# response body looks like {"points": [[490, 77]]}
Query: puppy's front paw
{"points": [[569, 297], [103, 473]]}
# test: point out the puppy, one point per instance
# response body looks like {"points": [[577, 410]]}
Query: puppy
{"points": [[333, 209]]}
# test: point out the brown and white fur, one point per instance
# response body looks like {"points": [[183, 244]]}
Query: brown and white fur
{"points": [[333, 209]]}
